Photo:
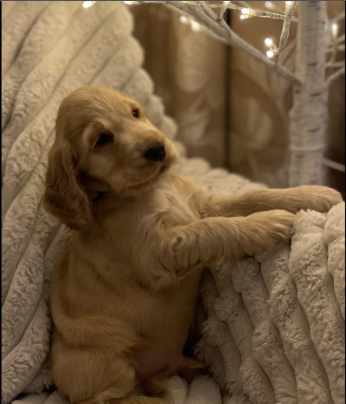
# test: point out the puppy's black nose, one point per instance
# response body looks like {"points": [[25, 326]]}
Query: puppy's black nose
{"points": [[156, 152]]}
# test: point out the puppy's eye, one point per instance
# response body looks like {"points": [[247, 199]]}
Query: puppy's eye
{"points": [[135, 113], [104, 138]]}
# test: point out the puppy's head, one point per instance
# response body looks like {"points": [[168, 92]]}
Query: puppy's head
{"points": [[104, 142]]}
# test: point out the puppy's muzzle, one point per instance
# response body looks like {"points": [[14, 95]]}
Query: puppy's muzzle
{"points": [[156, 152]]}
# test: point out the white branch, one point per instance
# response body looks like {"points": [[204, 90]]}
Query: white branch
{"points": [[223, 8], [336, 75], [339, 48], [339, 17], [202, 12], [335, 64], [268, 14], [274, 6], [287, 52], [335, 47], [309, 114], [285, 29], [253, 12], [218, 28], [334, 52], [244, 4], [340, 38], [334, 165]]}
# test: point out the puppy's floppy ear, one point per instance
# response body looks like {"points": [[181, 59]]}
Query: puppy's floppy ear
{"points": [[64, 196]]}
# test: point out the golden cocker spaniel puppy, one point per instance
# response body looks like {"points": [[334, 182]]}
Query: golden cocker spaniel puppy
{"points": [[124, 293]]}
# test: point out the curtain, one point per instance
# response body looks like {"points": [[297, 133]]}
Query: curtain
{"points": [[231, 109]]}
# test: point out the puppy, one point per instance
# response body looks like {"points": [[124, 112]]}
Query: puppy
{"points": [[124, 293]]}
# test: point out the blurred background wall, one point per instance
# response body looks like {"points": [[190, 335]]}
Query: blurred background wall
{"points": [[231, 109]]}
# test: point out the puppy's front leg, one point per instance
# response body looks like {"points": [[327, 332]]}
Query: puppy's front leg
{"points": [[210, 240], [293, 200]]}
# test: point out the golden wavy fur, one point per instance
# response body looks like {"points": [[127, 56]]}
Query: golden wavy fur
{"points": [[124, 294]]}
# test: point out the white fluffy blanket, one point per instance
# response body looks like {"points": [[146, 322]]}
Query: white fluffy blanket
{"points": [[274, 325], [49, 49]]}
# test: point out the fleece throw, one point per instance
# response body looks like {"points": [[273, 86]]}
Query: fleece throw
{"points": [[272, 327], [49, 49]]}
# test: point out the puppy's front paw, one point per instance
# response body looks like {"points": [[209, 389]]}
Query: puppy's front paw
{"points": [[268, 229], [318, 198]]}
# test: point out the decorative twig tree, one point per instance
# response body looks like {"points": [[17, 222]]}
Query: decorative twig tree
{"points": [[317, 41]]}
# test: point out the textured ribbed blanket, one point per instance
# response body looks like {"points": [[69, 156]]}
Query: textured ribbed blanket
{"points": [[273, 326], [274, 329], [49, 49]]}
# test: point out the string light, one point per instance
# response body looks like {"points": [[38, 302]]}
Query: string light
{"points": [[195, 26], [335, 30], [88, 4], [268, 4], [268, 41], [246, 13], [272, 48]]}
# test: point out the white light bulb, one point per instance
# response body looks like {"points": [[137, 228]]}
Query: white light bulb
{"points": [[288, 3], [270, 54], [268, 4], [335, 30], [88, 4], [128, 2], [183, 19], [225, 2], [268, 41], [245, 11], [195, 26], [242, 17]]}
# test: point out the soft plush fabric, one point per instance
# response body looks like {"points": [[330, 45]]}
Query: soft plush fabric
{"points": [[49, 49], [273, 326]]}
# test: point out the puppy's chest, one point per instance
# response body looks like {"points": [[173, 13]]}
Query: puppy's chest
{"points": [[177, 209]]}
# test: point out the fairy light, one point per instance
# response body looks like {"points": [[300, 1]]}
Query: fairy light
{"points": [[246, 13], [88, 4], [268, 41], [272, 48], [268, 4], [335, 30], [195, 26]]}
